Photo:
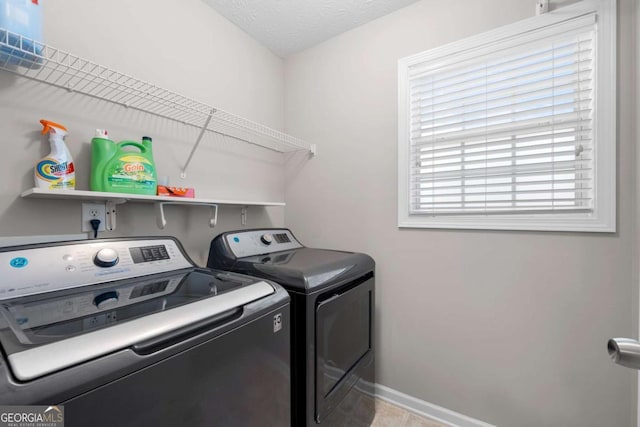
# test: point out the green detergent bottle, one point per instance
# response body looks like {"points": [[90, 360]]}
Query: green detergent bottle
{"points": [[116, 170]]}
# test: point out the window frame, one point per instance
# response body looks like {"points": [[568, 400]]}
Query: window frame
{"points": [[603, 216]]}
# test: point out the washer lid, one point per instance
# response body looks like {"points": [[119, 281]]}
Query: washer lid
{"points": [[47, 332], [307, 269]]}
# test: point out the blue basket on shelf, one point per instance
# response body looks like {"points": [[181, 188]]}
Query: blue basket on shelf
{"points": [[21, 33]]}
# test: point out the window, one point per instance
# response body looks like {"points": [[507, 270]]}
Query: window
{"points": [[513, 129]]}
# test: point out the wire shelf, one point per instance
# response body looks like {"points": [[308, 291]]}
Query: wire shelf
{"points": [[47, 64]]}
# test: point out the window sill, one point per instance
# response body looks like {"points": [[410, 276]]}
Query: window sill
{"points": [[540, 222]]}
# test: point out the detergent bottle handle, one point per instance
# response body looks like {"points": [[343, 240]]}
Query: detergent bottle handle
{"points": [[138, 145]]}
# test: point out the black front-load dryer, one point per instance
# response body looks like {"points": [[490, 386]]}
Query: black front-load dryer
{"points": [[332, 320]]}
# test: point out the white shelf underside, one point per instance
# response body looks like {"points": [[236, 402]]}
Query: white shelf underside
{"points": [[118, 198]]}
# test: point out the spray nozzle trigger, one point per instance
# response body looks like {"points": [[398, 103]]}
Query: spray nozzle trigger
{"points": [[49, 126]]}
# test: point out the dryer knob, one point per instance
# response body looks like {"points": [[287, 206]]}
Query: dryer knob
{"points": [[106, 300], [106, 257], [267, 239]]}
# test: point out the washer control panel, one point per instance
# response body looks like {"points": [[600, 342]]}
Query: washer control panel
{"points": [[256, 242], [71, 264]]}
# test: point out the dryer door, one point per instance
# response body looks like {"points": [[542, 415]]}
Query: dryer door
{"points": [[344, 343]]}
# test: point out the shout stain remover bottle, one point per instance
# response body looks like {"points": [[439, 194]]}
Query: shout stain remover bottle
{"points": [[56, 171]]}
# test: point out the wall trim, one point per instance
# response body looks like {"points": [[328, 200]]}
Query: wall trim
{"points": [[420, 407]]}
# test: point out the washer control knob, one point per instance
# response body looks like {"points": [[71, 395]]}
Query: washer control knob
{"points": [[106, 257], [267, 239], [106, 300]]}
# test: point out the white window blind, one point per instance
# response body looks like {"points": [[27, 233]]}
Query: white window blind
{"points": [[507, 128]]}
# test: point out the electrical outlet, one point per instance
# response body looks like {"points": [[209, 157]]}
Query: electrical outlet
{"points": [[93, 211]]}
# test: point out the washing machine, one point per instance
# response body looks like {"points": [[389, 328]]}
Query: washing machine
{"points": [[130, 332], [332, 320]]}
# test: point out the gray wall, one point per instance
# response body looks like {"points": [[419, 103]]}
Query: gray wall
{"points": [[636, 263], [506, 327], [183, 46]]}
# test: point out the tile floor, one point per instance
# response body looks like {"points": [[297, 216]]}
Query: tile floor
{"points": [[388, 415], [355, 411]]}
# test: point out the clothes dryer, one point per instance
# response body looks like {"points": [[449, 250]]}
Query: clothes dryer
{"points": [[332, 308]]}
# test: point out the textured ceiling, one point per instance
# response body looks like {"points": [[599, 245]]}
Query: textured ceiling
{"points": [[289, 26]]}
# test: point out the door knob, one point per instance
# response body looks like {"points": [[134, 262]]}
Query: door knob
{"points": [[625, 352]]}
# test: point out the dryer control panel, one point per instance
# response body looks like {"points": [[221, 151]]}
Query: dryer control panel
{"points": [[257, 242], [36, 269]]}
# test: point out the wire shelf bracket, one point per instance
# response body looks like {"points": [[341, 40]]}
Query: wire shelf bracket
{"points": [[161, 220], [183, 174]]}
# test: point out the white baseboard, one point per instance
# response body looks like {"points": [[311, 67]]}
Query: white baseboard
{"points": [[426, 409]]}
